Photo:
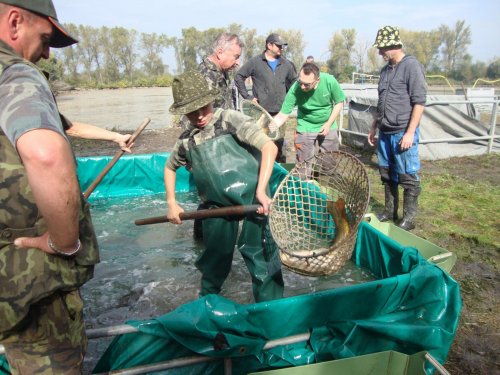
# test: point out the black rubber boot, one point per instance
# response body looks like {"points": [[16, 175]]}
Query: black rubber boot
{"points": [[410, 204], [391, 203]]}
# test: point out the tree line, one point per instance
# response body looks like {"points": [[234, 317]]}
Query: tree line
{"points": [[120, 57], [442, 51]]}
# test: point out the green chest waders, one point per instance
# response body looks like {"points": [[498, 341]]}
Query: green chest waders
{"points": [[226, 174]]}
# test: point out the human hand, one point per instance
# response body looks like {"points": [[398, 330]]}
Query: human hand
{"points": [[121, 140], [406, 142], [371, 136], [273, 126], [40, 243], [173, 213], [255, 100], [265, 202], [325, 129]]}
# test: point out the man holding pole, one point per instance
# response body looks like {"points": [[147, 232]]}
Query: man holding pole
{"points": [[222, 150]]}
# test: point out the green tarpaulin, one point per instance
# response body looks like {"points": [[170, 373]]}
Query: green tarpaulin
{"points": [[138, 175], [413, 306]]}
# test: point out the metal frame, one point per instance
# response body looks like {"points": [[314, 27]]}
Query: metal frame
{"points": [[123, 329], [193, 360]]}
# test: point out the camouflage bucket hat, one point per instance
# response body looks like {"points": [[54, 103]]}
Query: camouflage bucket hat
{"points": [[388, 36], [191, 91]]}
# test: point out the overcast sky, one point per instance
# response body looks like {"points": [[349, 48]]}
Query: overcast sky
{"points": [[317, 19]]}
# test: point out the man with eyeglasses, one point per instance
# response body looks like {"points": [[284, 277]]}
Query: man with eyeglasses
{"points": [[319, 100], [272, 76]]}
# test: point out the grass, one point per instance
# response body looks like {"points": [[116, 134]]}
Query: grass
{"points": [[458, 210], [454, 206], [457, 207]]}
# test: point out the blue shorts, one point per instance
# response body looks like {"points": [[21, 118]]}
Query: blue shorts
{"points": [[390, 156]]}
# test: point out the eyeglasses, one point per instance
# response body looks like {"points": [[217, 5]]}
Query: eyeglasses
{"points": [[280, 46], [307, 85]]}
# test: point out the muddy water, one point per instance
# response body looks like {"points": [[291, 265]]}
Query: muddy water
{"points": [[121, 109]]}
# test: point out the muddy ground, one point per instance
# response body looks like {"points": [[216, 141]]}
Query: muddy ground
{"points": [[476, 348]]}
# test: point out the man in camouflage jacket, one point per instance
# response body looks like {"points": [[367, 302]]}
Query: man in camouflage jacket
{"points": [[217, 66], [48, 247]]}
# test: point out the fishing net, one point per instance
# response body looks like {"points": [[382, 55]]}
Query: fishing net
{"points": [[316, 211], [261, 117]]}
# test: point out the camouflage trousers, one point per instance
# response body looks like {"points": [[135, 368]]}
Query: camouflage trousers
{"points": [[51, 339]]}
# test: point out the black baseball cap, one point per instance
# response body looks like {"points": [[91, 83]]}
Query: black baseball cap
{"points": [[276, 39], [61, 37]]}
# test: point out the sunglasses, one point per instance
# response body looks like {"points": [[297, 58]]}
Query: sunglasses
{"points": [[280, 46], [307, 85]]}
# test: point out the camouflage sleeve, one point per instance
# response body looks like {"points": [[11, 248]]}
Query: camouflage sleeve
{"points": [[26, 103], [177, 157], [247, 129]]}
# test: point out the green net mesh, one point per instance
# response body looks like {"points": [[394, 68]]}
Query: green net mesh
{"points": [[316, 212]]}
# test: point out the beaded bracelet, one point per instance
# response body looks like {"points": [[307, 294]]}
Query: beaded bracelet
{"points": [[58, 251]]}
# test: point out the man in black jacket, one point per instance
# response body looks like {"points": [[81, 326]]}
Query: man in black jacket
{"points": [[272, 75]]}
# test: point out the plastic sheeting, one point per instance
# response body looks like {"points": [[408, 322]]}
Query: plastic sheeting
{"points": [[413, 306], [138, 175], [132, 175], [4, 366], [438, 122]]}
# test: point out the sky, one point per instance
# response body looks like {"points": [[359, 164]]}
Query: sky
{"points": [[317, 19]]}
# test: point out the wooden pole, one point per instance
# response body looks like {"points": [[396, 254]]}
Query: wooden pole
{"points": [[113, 161], [202, 214]]}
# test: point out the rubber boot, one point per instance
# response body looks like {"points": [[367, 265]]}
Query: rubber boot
{"points": [[409, 209], [391, 203]]}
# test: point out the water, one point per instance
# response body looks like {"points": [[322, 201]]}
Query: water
{"points": [[146, 271], [122, 109]]}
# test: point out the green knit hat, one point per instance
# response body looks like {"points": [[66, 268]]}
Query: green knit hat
{"points": [[191, 91], [388, 36]]}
